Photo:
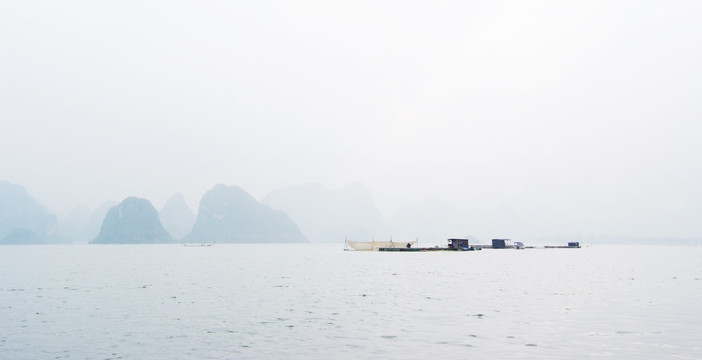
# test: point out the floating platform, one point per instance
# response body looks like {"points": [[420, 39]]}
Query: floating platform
{"points": [[463, 245], [401, 249], [428, 249], [453, 245]]}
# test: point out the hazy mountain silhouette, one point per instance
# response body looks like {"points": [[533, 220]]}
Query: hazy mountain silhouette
{"points": [[23, 220], [133, 221], [83, 225], [96, 219], [330, 215], [177, 218], [74, 228], [229, 214]]}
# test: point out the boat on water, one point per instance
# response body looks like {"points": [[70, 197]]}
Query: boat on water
{"points": [[571, 245], [377, 245]]}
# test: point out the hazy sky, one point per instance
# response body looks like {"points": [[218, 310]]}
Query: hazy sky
{"points": [[532, 117]]}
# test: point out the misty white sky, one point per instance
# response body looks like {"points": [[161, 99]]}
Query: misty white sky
{"points": [[531, 117]]}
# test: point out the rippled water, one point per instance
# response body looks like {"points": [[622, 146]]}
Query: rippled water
{"points": [[319, 302]]}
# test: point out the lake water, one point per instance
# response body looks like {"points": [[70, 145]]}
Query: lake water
{"points": [[320, 302]]}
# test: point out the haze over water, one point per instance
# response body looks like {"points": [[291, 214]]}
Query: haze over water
{"points": [[529, 119], [319, 302]]}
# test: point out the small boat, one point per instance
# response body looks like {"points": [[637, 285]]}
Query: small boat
{"points": [[377, 245], [571, 245]]}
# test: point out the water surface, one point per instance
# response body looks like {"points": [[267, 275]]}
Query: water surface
{"points": [[319, 302]]}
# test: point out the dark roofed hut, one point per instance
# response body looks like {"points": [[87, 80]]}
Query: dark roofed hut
{"points": [[458, 244]]}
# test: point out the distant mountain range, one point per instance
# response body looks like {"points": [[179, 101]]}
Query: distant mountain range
{"points": [[133, 221], [330, 216], [177, 217], [228, 214], [83, 224], [326, 216], [23, 220]]}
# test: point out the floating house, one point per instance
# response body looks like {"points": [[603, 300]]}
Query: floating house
{"points": [[458, 244], [501, 243]]}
